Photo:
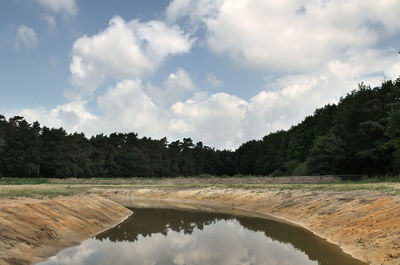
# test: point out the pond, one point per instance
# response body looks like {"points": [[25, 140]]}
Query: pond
{"points": [[168, 236]]}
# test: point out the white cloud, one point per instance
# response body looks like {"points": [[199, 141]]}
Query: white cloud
{"points": [[213, 80], [196, 11], [180, 81], [291, 98], [140, 49], [127, 108], [324, 47], [275, 36], [221, 120], [160, 40], [72, 116], [26, 36], [226, 121], [177, 86], [60, 6], [216, 119]]}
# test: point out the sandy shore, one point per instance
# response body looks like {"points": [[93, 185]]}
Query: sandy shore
{"points": [[31, 230], [364, 223]]}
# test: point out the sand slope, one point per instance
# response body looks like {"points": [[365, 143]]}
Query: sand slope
{"points": [[365, 224], [32, 230]]}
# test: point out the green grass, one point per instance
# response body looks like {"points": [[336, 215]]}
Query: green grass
{"points": [[42, 187], [23, 181], [382, 179], [40, 191], [385, 187], [155, 181]]}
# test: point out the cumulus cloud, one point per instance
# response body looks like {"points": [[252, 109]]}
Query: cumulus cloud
{"points": [[221, 120], [161, 40], [196, 11], [60, 6], [322, 50], [178, 86], [72, 116], [226, 121], [127, 108], [179, 82], [26, 36], [140, 49], [210, 119], [289, 36]]}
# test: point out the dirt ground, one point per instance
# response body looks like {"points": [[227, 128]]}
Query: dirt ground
{"points": [[365, 224], [31, 230], [363, 219]]}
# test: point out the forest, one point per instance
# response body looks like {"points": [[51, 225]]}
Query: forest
{"points": [[359, 135]]}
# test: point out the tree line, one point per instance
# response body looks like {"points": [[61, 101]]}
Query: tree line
{"points": [[360, 134]]}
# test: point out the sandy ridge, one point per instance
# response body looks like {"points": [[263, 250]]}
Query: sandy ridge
{"points": [[31, 230], [365, 224]]}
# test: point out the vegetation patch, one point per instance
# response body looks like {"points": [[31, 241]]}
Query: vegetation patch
{"points": [[41, 191], [23, 181]]}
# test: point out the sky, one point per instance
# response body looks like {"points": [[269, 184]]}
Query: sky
{"points": [[218, 71]]}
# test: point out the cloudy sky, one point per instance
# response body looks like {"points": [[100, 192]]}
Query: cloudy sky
{"points": [[218, 71]]}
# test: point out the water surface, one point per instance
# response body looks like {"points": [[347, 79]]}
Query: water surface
{"points": [[165, 236]]}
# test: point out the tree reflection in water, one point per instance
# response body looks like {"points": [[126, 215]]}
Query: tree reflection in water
{"points": [[166, 236], [146, 222]]}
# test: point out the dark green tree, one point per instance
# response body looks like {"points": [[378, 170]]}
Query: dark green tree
{"points": [[326, 155]]}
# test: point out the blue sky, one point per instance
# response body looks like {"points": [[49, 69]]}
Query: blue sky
{"points": [[218, 71]]}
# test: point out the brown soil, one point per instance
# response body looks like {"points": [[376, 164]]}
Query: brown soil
{"points": [[365, 224], [363, 221], [32, 230]]}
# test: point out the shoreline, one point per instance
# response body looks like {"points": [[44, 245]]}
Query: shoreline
{"points": [[343, 226], [33, 230], [236, 211], [363, 223]]}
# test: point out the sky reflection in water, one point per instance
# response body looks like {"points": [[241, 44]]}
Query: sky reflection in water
{"points": [[163, 236]]}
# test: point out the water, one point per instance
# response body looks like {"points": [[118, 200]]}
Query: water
{"points": [[165, 236]]}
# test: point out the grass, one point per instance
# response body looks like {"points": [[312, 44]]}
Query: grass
{"points": [[42, 187], [23, 181], [41, 191], [382, 179], [114, 181], [384, 187]]}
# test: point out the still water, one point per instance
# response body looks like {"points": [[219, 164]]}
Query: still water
{"points": [[165, 236]]}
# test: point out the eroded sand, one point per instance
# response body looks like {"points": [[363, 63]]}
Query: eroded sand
{"points": [[32, 230], [365, 224]]}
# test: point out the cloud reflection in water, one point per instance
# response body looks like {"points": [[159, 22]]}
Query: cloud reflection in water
{"points": [[167, 236], [223, 242]]}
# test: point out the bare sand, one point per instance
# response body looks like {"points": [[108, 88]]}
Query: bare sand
{"points": [[364, 222], [32, 230]]}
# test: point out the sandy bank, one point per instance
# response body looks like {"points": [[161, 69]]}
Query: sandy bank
{"points": [[365, 224], [32, 230]]}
